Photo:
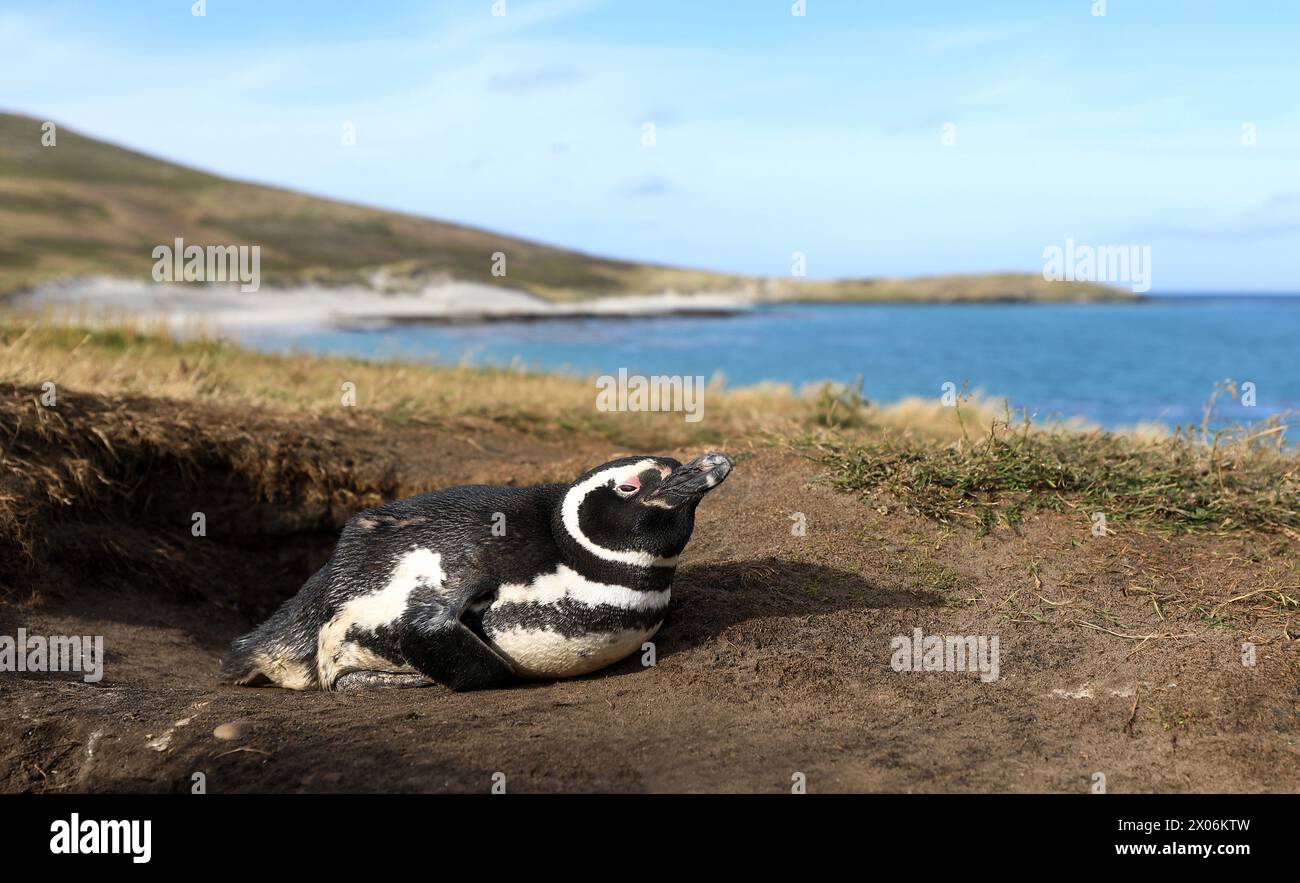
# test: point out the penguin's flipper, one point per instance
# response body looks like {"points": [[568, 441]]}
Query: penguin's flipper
{"points": [[438, 644], [449, 653]]}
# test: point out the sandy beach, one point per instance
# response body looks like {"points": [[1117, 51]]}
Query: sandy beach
{"points": [[223, 307]]}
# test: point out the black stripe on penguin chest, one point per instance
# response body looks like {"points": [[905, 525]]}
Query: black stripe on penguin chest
{"points": [[569, 602], [563, 623], [565, 617]]}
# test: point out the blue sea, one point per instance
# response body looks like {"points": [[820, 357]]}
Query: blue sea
{"points": [[1114, 364]]}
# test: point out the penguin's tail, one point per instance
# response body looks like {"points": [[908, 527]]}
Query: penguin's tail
{"points": [[282, 650], [242, 664]]}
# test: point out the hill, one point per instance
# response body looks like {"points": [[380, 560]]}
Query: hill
{"points": [[86, 207]]}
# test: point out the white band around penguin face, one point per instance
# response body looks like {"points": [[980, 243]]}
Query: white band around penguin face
{"points": [[569, 514]]}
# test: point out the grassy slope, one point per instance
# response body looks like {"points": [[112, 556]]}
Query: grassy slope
{"points": [[965, 465], [87, 207]]}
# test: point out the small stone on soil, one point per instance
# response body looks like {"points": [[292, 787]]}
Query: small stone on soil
{"points": [[232, 730]]}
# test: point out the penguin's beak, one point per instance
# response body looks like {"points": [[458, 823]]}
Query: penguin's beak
{"points": [[693, 480]]}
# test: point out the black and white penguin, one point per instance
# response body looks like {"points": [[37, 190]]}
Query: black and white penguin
{"points": [[473, 586]]}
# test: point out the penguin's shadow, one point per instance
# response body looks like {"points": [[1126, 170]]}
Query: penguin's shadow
{"points": [[710, 598]]}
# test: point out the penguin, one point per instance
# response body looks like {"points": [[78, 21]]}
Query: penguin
{"points": [[476, 586]]}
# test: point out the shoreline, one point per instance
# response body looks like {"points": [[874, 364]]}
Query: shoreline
{"points": [[223, 307]]}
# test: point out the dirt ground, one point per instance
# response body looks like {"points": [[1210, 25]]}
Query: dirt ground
{"points": [[1119, 655]]}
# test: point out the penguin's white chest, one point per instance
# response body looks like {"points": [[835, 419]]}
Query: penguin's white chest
{"points": [[562, 624]]}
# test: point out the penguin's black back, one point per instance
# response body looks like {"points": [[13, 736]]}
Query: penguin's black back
{"points": [[481, 532]]}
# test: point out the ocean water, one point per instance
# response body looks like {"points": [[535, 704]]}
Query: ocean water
{"points": [[1114, 364]]}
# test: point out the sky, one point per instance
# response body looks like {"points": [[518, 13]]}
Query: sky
{"points": [[874, 137]]}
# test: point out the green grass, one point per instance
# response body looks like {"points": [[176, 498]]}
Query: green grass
{"points": [[1240, 480]]}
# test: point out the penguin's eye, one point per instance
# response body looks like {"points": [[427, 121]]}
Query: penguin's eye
{"points": [[628, 488]]}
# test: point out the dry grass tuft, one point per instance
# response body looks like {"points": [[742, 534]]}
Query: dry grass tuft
{"points": [[1242, 479]]}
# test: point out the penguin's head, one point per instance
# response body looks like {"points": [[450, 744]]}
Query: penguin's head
{"points": [[640, 510]]}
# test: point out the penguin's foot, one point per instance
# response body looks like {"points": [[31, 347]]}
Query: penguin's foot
{"points": [[367, 680]]}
